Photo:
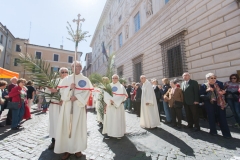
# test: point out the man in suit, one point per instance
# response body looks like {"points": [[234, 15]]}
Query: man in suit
{"points": [[190, 90]]}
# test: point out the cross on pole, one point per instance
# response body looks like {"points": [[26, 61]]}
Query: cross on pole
{"points": [[75, 58]]}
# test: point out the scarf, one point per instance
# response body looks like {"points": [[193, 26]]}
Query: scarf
{"points": [[215, 96]]}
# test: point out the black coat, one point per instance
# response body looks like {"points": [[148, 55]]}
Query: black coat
{"points": [[157, 93], [138, 94]]}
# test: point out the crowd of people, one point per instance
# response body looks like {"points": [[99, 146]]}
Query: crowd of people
{"points": [[187, 99], [148, 99], [23, 92]]}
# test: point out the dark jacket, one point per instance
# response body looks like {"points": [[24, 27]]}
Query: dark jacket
{"points": [[129, 92], [138, 94], [157, 93], [191, 92]]}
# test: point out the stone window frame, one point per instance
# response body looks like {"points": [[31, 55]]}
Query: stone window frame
{"points": [[170, 43], [119, 70], [136, 60]]}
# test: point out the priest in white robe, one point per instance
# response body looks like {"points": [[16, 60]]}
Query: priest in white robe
{"points": [[54, 108], [114, 120], [149, 109], [96, 102], [78, 140]]}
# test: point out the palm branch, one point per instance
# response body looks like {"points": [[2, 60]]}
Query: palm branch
{"points": [[76, 37], [41, 73]]}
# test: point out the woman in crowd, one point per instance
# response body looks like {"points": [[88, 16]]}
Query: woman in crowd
{"points": [[128, 103], [212, 96], [165, 88], [232, 97], [175, 101], [18, 94], [160, 107], [137, 99], [30, 93], [3, 85]]}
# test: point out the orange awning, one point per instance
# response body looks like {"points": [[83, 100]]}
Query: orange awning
{"points": [[4, 73]]}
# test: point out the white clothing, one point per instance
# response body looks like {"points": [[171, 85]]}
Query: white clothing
{"points": [[54, 110], [78, 140], [114, 119], [96, 102], [149, 113]]}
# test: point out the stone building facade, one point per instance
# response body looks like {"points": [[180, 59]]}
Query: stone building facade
{"points": [[164, 38], [56, 57], [6, 42]]}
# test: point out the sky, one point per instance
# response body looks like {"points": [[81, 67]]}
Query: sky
{"points": [[48, 19]]}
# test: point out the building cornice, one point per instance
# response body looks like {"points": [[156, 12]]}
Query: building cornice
{"points": [[103, 15]]}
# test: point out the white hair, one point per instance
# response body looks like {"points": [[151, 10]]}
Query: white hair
{"points": [[76, 63], [115, 75], [210, 75], [13, 78], [63, 68], [186, 73], [142, 76]]}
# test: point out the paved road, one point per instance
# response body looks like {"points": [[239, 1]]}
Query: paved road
{"points": [[138, 144]]}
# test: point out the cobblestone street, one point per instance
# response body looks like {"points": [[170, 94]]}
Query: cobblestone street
{"points": [[138, 144]]}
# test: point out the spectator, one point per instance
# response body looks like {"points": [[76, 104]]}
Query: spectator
{"points": [[157, 93], [10, 87], [165, 88], [160, 107], [175, 101], [128, 103], [30, 93], [133, 94], [191, 100], [3, 85], [215, 104], [137, 99], [18, 94], [232, 97]]}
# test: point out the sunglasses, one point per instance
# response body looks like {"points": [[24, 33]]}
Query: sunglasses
{"points": [[64, 72], [234, 78]]}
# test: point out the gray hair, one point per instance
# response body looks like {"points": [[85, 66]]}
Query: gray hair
{"points": [[115, 75], [76, 63], [186, 73], [174, 81], [63, 68], [142, 76], [13, 78], [210, 75]]}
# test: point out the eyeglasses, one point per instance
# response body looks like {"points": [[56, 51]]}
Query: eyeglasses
{"points": [[64, 72], [213, 78], [234, 78]]}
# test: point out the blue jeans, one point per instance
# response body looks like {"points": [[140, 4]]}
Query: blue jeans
{"points": [[167, 111], [235, 107], [17, 115], [128, 104]]}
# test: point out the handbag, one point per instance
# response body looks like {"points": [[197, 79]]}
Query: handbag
{"points": [[13, 105], [177, 104]]}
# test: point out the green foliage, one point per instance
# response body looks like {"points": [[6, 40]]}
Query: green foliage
{"points": [[77, 37], [41, 73], [121, 80], [110, 66], [95, 78]]}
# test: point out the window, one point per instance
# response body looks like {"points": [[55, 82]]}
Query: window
{"points": [[120, 71], [16, 60], [173, 56], [137, 68], [110, 17], [9, 44], [55, 57], [70, 59], [38, 55], [120, 40], [54, 69], [18, 48], [166, 1], [120, 18], [137, 22], [1, 39]]}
